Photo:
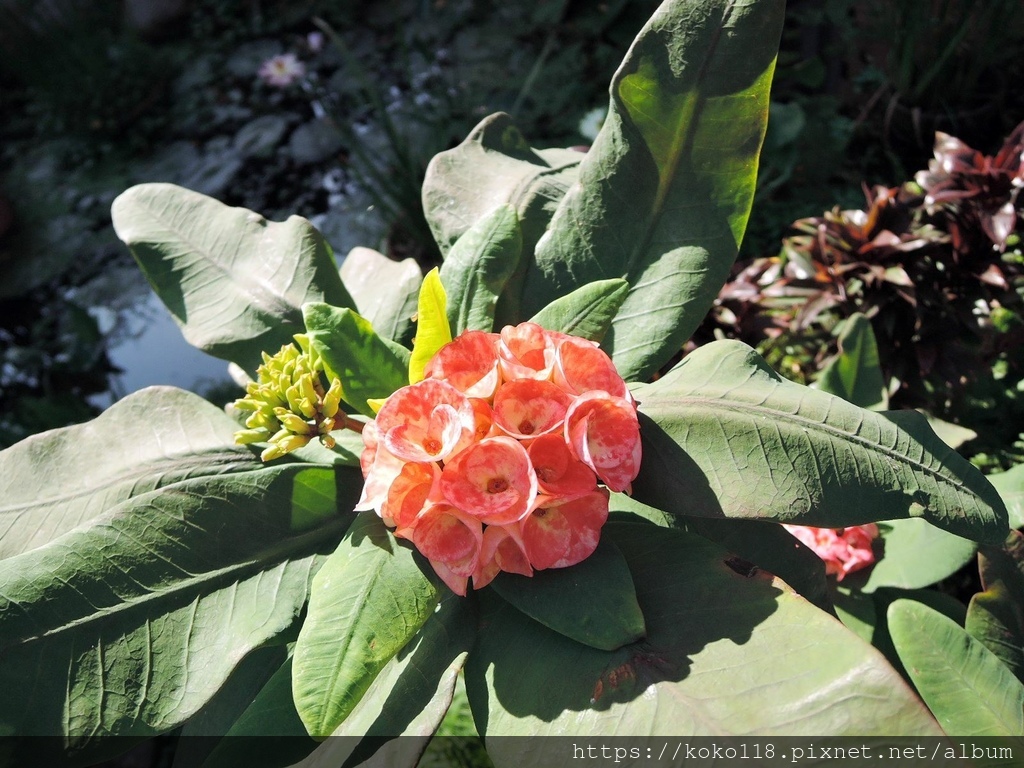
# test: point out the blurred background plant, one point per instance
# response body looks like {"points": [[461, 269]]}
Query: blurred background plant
{"points": [[87, 72], [941, 65]]}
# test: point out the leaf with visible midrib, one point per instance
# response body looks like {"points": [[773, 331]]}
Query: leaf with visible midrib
{"points": [[726, 436], [57, 480], [233, 281], [664, 194], [725, 654], [128, 626], [587, 312], [592, 602], [367, 602], [970, 692], [477, 268]]}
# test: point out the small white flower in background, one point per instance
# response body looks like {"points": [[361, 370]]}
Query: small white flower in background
{"points": [[592, 122], [315, 41], [282, 70]]}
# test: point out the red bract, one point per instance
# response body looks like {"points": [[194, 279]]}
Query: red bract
{"points": [[844, 550], [493, 462]]}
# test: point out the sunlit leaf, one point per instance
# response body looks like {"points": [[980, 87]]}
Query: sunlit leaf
{"points": [[726, 653], [55, 481], [384, 291], [477, 268], [586, 312], [726, 436], [432, 329], [664, 193], [367, 602], [970, 691], [368, 365], [126, 627], [233, 281]]}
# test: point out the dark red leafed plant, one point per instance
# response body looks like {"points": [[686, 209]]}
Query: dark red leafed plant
{"points": [[936, 264]]}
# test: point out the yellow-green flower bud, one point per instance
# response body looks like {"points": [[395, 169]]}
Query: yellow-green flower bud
{"points": [[247, 436], [332, 400], [288, 403], [293, 423]]}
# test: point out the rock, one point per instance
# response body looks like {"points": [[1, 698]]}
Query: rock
{"points": [[315, 141], [260, 137], [208, 171]]}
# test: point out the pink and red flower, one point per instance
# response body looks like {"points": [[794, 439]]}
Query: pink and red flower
{"points": [[493, 462], [844, 550]]}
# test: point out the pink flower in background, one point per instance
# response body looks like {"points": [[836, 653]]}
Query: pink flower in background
{"points": [[844, 550], [282, 70], [493, 462]]}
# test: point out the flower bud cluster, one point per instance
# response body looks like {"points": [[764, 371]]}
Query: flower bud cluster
{"points": [[289, 403], [844, 550], [493, 461]]}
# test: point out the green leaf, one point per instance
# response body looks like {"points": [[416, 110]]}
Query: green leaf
{"points": [[857, 612], [432, 329], [726, 436], [593, 602], [587, 312], [128, 626], [1010, 485], [407, 701], [725, 654], [915, 554], [765, 545], [477, 268], [495, 165], [233, 281], [248, 682], [855, 373], [368, 365], [384, 291], [268, 732], [55, 481], [970, 692], [996, 616], [367, 602], [665, 192]]}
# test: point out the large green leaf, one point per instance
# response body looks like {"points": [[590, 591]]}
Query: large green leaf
{"points": [[726, 436], [495, 165], [914, 554], [1011, 488], [384, 291], [995, 616], [477, 268], [368, 601], [753, 542], [855, 373], [664, 194], [233, 281], [128, 626], [725, 654], [368, 365], [586, 312], [593, 602], [267, 732], [250, 681], [58, 480], [404, 705], [970, 692]]}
